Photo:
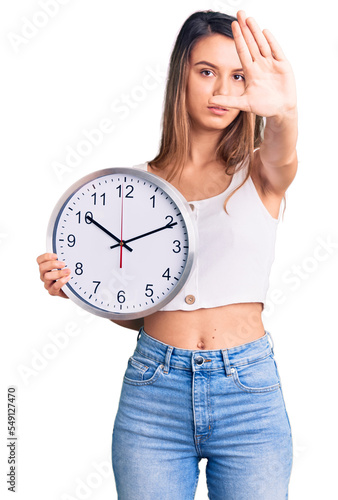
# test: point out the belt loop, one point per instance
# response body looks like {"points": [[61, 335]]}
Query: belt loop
{"points": [[139, 334], [167, 359], [272, 342], [226, 362]]}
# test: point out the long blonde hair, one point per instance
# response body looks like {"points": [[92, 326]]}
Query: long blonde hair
{"points": [[237, 141]]}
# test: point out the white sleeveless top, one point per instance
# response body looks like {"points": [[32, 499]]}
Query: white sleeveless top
{"points": [[235, 252]]}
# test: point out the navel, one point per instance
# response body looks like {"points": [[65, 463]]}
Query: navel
{"points": [[200, 345]]}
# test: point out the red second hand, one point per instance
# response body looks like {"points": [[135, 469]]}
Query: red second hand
{"points": [[121, 244]]}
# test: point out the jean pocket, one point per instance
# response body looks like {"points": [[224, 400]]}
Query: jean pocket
{"points": [[143, 372], [257, 376]]}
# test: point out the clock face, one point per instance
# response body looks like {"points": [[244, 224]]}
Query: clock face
{"points": [[128, 238]]}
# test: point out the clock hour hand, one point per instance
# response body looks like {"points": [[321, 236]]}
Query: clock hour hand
{"points": [[121, 243], [167, 226]]}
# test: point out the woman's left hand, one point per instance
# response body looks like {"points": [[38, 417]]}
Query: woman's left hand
{"points": [[270, 88]]}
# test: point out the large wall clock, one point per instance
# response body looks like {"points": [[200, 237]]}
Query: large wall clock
{"points": [[128, 237]]}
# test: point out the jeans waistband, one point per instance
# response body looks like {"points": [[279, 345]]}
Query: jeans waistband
{"points": [[213, 359]]}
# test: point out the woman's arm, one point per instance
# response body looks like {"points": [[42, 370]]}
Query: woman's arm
{"points": [[133, 324], [277, 159], [270, 91], [280, 137]]}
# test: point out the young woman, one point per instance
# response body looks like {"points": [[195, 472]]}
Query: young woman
{"points": [[203, 381]]}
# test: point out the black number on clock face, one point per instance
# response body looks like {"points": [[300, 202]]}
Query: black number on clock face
{"points": [[71, 240], [88, 217], [171, 223], [128, 195], [78, 268], [149, 290], [166, 274], [178, 246], [103, 196], [120, 296], [97, 285]]}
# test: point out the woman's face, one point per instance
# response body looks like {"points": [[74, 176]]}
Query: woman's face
{"points": [[214, 69]]}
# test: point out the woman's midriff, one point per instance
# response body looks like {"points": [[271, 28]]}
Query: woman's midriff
{"points": [[213, 328]]}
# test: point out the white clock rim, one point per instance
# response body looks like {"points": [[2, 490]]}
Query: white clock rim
{"points": [[178, 199]]}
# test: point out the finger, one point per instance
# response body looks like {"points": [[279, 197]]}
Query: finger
{"points": [[261, 41], [276, 49], [45, 257], [241, 47], [240, 102], [54, 288], [50, 266], [247, 36], [55, 275]]}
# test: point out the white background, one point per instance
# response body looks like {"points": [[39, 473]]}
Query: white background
{"points": [[63, 79]]}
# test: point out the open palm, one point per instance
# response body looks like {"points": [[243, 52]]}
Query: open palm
{"points": [[270, 88]]}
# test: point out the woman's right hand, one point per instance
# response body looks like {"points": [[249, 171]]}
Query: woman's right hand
{"points": [[53, 274]]}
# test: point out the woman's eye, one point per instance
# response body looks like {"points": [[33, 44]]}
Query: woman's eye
{"points": [[206, 71], [241, 78]]}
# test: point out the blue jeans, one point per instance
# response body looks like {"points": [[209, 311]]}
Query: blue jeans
{"points": [[179, 405]]}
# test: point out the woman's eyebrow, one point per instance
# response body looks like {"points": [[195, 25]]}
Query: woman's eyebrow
{"points": [[213, 65]]}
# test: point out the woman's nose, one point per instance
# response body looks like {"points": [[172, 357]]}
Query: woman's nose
{"points": [[222, 87]]}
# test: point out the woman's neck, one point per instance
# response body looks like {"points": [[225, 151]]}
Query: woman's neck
{"points": [[202, 148]]}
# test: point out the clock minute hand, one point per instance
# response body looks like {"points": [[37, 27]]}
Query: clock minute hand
{"points": [[167, 226], [89, 218]]}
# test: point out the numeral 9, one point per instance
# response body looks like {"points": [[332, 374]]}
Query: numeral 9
{"points": [[71, 240]]}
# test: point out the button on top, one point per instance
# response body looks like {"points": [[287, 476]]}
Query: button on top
{"points": [[199, 360], [190, 299], [192, 206]]}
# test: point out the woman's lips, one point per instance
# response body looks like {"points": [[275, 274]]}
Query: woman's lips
{"points": [[217, 110]]}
